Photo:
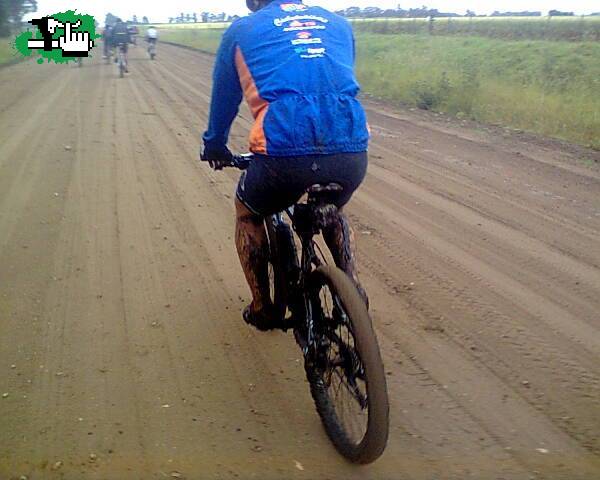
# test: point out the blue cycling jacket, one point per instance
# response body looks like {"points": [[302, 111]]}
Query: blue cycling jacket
{"points": [[294, 65]]}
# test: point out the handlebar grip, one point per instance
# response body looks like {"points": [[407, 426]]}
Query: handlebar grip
{"points": [[242, 161]]}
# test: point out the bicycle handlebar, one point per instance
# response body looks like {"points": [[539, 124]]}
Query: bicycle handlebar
{"points": [[242, 161]]}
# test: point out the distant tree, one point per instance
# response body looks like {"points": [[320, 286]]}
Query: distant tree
{"points": [[353, 12], [4, 25], [204, 17], [134, 19], [372, 12], [558, 13], [470, 13], [145, 19], [171, 19], [12, 12], [516, 14], [195, 18]]}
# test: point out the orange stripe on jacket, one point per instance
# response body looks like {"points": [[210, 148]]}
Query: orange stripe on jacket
{"points": [[258, 105]]}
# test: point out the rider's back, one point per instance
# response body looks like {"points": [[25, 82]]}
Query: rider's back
{"points": [[295, 65], [152, 33], [120, 34]]}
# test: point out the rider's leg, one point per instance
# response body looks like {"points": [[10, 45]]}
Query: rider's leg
{"points": [[339, 238], [349, 170], [253, 250]]}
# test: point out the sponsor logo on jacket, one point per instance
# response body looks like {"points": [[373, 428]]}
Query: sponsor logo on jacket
{"points": [[293, 7], [278, 22], [305, 38]]}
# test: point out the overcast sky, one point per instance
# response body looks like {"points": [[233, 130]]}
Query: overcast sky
{"points": [[158, 11]]}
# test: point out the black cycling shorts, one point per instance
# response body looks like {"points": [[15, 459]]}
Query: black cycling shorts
{"points": [[271, 184]]}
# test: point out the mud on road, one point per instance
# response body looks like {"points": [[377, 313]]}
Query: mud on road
{"points": [[123, 353]]}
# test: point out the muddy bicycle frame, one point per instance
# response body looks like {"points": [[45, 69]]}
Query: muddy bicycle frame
{"points": [[308, 219]]}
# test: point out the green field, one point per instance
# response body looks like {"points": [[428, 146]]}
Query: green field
{"points": [[575, 29], [547, 87], [205, 37], [552, 88]]}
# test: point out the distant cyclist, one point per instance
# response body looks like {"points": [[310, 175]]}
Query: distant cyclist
{"points": [[152, 38], [294, 64], [106, 40], [133, 32], [120, 39]]}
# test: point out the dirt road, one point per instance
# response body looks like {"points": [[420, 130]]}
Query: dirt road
{"points": [[120, 294]]}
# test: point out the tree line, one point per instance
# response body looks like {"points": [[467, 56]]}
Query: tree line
{"points": [[426, 12], [12, 12], [204, 17]]}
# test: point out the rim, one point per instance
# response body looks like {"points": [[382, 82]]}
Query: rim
{"points": [[342, 371], [271, 273]]}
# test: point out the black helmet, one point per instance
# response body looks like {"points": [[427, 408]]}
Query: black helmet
{"points": [[255, 5]]}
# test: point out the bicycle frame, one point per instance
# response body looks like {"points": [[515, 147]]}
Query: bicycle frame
{"points": [[122, 61], [318, 324], [301, 216]]}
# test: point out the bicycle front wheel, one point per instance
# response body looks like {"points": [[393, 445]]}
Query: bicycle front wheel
{"points": [[346, 375]]}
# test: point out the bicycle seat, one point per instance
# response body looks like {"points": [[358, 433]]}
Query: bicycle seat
{"points": [[317, 188]]}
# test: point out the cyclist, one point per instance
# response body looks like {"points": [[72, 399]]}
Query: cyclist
{"points": [[106, 39], [151, 36], [120, 39], [133, 32], [294, 64]]}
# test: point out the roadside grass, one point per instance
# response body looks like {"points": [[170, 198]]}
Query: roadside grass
{"points": [[575, 29], [546, 87], [552, 88], [202, 36], [7, 52]]}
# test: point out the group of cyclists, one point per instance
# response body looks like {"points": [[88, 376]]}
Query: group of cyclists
{"points": [[294, 64], [119, 35]]}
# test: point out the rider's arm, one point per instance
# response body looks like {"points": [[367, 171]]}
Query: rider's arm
{"points": [[226, 95]]}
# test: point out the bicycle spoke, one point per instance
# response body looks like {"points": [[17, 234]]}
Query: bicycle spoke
{"points": [[342, 371]]}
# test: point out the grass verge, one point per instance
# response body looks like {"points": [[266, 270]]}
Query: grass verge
{"points": [[7, 53], [201, 38], [546, 87], [574, 29]]}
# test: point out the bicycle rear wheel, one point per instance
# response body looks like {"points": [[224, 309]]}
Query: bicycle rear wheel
{"points": [[346, 375]]}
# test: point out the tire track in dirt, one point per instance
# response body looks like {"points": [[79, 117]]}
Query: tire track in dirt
{"points": [[130, 291]]}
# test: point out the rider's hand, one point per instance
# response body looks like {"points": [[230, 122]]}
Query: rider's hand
{"points": [[217, 159]]}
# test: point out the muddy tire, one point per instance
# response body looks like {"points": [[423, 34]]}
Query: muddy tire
{"points": [[358, 361], [283, 263]]}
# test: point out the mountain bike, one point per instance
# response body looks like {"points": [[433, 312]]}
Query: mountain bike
{"points": [[331, 324], [151, 49], [121, 60]]}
